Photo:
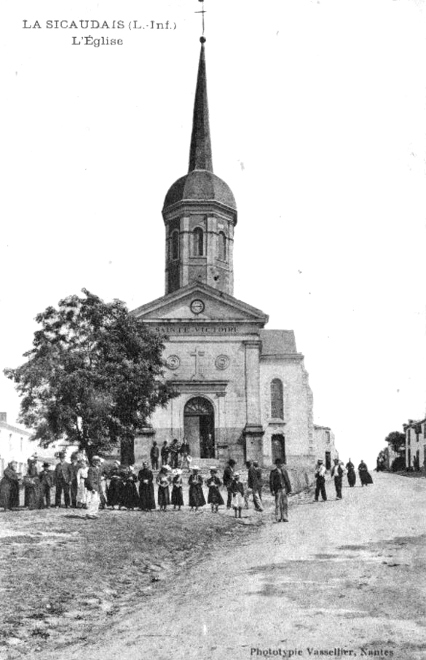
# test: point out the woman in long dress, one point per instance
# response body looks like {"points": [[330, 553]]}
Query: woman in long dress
{"points": [[130, 498], [146, 488], [364, 475], [351, 473], [196, 495], [214, 498], [9, 487], [115, 486], [177, 494], [82, 493], [163, 482], [32, 498]]}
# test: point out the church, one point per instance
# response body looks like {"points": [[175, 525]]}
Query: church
{"points": [[243, 389]]}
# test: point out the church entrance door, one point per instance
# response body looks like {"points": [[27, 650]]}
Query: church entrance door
{"points": [[198, 424], [278, 448]]}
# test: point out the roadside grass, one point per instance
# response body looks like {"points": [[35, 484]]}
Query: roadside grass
{"points": [[63, 578]]}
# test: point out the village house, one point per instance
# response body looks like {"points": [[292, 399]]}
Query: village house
{"points": [[415, 444], [324, 442]]}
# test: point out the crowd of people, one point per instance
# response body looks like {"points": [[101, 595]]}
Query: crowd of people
{"points": [[95, 485], [338, 471]]}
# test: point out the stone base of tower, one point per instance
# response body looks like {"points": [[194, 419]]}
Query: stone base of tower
{"points": [[253, 435]]}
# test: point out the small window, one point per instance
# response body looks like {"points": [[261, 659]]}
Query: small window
{"points": [[277, 402], [222, 246], [198, 242], [175, 245]]}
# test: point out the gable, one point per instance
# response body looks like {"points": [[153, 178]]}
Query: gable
{"points": [[202, 303]]}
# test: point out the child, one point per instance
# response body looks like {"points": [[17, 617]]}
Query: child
{"points": [[163, 482], [177, 497], [46, 483], [214, 498], [237, 490]]}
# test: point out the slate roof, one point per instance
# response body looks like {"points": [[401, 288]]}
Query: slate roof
{"points": [[278, 342], [201, 186]]}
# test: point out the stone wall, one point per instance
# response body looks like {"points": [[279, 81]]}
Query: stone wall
{"points": [[297, 424]]}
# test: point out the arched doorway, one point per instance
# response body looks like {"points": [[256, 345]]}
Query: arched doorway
{"points": [[198, 424], [278, 447]]}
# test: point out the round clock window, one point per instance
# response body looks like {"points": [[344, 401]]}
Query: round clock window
{"points": [[197, 306]]}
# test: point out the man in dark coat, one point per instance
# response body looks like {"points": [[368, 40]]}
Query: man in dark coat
{"points": [[280, 486], [146, 488], [228, 477], [164, 454], [63, 477], [46, 483], [154, 455], [320, 472], [252, 487], [337, 475], [174, 450], [258, 479], [74, 467], [185, 450]]}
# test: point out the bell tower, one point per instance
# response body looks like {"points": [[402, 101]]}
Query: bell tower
{"points": [[199, 210]]}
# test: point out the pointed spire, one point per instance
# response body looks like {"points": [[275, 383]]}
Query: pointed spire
{"points": [[200, 154]]}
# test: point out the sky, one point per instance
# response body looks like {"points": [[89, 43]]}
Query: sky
{"points": [[317, 118]]}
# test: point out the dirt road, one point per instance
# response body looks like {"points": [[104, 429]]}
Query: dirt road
{"points": [[341, 579]]}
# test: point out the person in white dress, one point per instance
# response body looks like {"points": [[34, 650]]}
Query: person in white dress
{"points": [[82, 493]]}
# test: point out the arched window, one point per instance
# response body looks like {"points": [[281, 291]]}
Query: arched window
{"points": [[277, 401], [198, 242], [222, 246], [174, 251]]}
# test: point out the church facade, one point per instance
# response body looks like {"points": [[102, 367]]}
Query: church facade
{"points": [[243, 389]]}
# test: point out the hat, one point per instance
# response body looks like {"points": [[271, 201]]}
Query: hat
{"points": [[320, 460], [236, 474], [46, 465], [96, 458], [195, 467], [213, 469]]}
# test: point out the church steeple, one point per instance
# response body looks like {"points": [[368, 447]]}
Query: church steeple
{"points": [[199, 210], [200, 153]]}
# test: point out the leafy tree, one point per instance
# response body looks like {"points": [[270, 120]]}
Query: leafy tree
{"points": [[94, 375], [396, 440]]}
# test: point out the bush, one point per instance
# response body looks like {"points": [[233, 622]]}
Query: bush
{"points": [[398, 464]]}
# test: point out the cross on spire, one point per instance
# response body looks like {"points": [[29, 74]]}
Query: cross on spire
{"points": [[202, 12]]}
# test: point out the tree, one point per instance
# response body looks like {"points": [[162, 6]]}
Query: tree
{"points": [[397, 441], [94, 375]]}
